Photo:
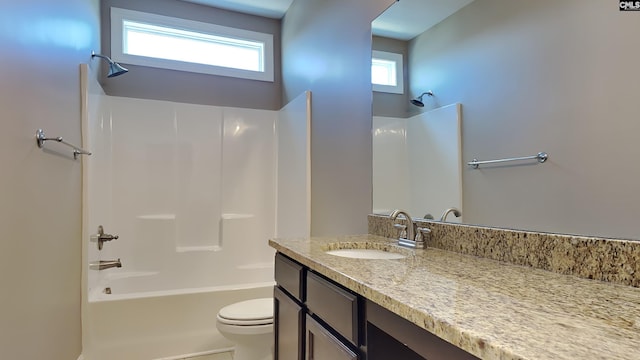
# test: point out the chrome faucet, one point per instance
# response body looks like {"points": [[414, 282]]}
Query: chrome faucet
{"points": [[104, 264], [453, 210], [408, 236], [410, 228]]}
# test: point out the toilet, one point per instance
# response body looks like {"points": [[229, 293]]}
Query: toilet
{"points": [[249, 325]]}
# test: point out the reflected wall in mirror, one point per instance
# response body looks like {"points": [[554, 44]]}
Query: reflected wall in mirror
{"points": [[534, 75], [416, 161]]}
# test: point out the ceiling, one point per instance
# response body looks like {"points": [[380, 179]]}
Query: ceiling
{"points": [[407, 19], [404, 20], [267, 8]]}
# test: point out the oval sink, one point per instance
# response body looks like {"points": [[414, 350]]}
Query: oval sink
{"points": [[365, 254]]}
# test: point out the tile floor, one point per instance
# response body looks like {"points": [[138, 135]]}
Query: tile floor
{"points": [[220, 356]]}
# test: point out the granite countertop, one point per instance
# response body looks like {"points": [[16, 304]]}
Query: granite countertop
{"points": [[490, 309]]}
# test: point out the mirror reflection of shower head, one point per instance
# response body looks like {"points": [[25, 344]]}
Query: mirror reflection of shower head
{"points": [[115, 69], [418, 101]]}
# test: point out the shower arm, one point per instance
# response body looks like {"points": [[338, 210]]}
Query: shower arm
{"points": [[93, 54]]}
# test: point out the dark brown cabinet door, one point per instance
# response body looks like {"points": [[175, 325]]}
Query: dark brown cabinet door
{"points": [[321, 345], [288, 325]]}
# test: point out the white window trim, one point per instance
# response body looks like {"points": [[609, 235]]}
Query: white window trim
{"points": [[118, 15], [397, 58]]}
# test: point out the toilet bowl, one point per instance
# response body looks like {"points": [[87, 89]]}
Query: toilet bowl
{"points": [[249, 325]]}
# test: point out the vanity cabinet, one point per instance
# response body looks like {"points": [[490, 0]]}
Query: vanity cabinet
{"points": [[317, 319], [322, 344], [314, 319], [335, 306], [288, 326], [391, 337], [288, 309]]}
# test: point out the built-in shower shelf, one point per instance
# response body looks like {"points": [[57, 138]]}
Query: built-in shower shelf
{"points": [[157, 217], [186, 249], [232, 216]]}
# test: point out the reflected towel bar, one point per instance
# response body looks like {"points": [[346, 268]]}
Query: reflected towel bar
{"points": [[541, 157], [41, 138]]}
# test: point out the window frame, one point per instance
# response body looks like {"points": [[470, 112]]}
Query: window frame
{"points": [[118, 16], [398, 60]]}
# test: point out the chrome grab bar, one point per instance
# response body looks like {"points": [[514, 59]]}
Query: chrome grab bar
{"points": [[41, 138], [541, 157]]}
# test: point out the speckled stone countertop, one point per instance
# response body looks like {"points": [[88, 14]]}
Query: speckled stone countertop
{"points": [[490, 309], [612, 260]]}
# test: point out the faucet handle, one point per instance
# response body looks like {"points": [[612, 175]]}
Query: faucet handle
{"points": [[423, 234], [101, 237], [402, 229]]}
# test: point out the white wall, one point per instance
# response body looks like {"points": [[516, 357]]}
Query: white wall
{"points": [[542, 75], [42, 44]]}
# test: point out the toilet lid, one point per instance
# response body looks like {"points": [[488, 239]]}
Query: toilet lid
{"points": [[255, 311]]}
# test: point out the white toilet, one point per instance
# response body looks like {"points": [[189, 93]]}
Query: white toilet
{"points": [[249, 325]]}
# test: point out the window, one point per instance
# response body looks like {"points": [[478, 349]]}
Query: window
{"points": [[170, 43], [386, 72]]}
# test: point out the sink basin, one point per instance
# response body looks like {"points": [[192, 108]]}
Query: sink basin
{"points": [[365, 254]]}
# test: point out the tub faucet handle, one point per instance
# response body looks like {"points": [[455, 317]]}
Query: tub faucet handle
{"points": [[101, 237]]}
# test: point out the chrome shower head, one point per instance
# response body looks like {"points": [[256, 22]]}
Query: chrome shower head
{"points": [[115, 69], [418, 101]]}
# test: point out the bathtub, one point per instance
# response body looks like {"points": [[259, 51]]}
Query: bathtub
{"points": [[130, 324]]}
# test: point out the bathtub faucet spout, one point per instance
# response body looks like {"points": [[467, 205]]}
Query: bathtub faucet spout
{"points": [[104, 264]]}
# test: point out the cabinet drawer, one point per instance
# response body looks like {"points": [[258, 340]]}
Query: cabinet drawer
{"points": [[322, 345], [290, 276], [334, 305]]}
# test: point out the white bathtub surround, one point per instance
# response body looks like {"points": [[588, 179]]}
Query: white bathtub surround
{"points": [[411, 152], [221, 354], [189, 189], [293, 213], [191, 192], [227, 355]]}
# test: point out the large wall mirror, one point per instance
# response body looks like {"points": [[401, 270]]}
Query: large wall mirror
{"points": [[528, 76]]}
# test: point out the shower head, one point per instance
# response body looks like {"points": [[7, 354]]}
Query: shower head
{"points": [[115, 69], [418, 101]]}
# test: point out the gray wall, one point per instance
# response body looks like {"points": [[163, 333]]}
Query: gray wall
{"points": [[160, 84], [327, 49], [42, 44], [543, 75], [387, 104]]}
